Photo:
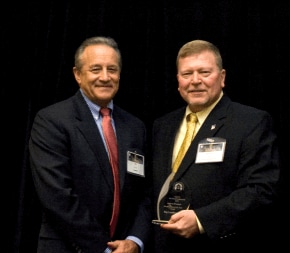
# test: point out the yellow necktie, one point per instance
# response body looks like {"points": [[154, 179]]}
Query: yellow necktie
{"points": [[191, 120], [191, 123]]}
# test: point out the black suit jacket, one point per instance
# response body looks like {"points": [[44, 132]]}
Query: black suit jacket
{"points": [[74, 182], [229, 196]]}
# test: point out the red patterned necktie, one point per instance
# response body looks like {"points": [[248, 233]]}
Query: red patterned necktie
{"points": [[111, 142]]}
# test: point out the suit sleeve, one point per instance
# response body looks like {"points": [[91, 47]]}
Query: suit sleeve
{"points": [[49, 148]]}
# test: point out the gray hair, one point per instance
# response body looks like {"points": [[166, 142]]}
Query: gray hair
{"points": [[96, 41]]}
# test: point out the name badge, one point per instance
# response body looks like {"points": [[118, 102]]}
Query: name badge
{"points": [[135, 164], [211, 150]]}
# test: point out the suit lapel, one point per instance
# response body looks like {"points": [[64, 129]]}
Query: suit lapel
{"points": [[171, 129], [88, 128]]}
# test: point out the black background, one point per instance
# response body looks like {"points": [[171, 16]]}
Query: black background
{"points": [[38, 41]]}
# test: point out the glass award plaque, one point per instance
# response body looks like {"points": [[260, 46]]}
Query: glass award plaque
{"points": [[173, 198]]}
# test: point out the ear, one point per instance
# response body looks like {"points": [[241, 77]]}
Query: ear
{"points": [[76, 73], [223, 77]]}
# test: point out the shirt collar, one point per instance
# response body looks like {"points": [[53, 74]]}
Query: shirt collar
{"points": [[202, 115], [94, 108]]}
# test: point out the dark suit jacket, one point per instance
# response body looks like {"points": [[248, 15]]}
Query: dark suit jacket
{"points": [[229, 196], [74, 182]]}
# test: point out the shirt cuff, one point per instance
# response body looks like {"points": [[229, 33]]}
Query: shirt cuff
{"points": [[137, 241], [107, 250]]}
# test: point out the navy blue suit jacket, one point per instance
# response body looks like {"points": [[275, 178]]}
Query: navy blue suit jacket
{"points": [[74, 182], [227, 196]]}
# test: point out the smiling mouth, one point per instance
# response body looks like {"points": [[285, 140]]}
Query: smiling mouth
{"points": [[104, 86], [196, 91]]}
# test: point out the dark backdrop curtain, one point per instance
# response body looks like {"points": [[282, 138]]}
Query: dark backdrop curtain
{"points": [[38, 40]]}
